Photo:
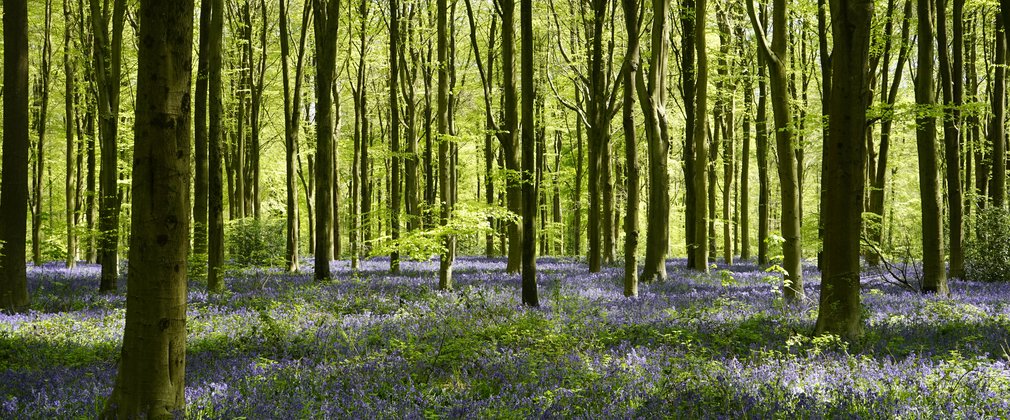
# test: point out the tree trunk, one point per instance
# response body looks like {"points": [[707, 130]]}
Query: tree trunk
{"points": [[687, 55], [748, 99], [933, 268], [152, 365], [394, 134], [70, 186], [951, 82], [701, 142], [215, 149], [201, 169], [776, 58], [107, 55], [631, 62], [41, 111], [292, 121], [14, 190], [840, 310], [652, 99], [529, 196], [325, 20], [444, 175], [508, 139]]}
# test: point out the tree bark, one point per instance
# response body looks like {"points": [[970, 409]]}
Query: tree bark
{"points": [[292, 121], [444, 175], [776, 58], [215, 150], [107, 64], [152, 365], [529, 189], [70, 186], [951, 82], [701, 142], [687, 84], [325, 20], [14, 189], [394, 134], [508, 139], [201, 169], [632, 59], [933, 267], [840, 309], [41, 111]]}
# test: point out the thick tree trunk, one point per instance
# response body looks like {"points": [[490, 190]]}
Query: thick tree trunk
{"points": [[933, 267], [14, 190], [107, 60], [151, 379], [840, 309], [325, 20]]}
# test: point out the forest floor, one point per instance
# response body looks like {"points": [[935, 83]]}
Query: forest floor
{"points": [[370, 345]]}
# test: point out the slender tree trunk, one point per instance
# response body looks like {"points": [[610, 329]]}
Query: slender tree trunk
{"points": [[652, 97], [41, 111], [394, 134], [152, 365], [951, 84], [776, 58], [292, 118], [687, 55], [107, 59], [70, 186], [631, 62], [748, 99], [215, 149], [201, 169], [701, 142], [444, 175], [529, 189], [508, 139], [933, 268]]}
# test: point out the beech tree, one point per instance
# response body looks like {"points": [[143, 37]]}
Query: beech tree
{"points": [[14, 187], [152, 365]]}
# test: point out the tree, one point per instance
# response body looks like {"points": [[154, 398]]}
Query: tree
{"points": [[325, 19], [509, 143], [839, 312], [394, 133], [70, 183], [701, 168], [445, 189], [933, 267], [529, 186], [776, 59], [632, 23], [652, 98], [152, 365], [107, 66], [215, 151], [292, 123], [201, 170], [40, 109], [14, 190], [687, 90], [952, 82]]}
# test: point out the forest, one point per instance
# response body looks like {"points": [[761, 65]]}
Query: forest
{"points": [[445, 209]]}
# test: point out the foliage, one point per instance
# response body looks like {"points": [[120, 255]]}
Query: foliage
{"points": [[256, 241], [987, 253]]}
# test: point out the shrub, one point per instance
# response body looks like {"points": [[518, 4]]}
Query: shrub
{"points": [[256, 242], [987, 253]]}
